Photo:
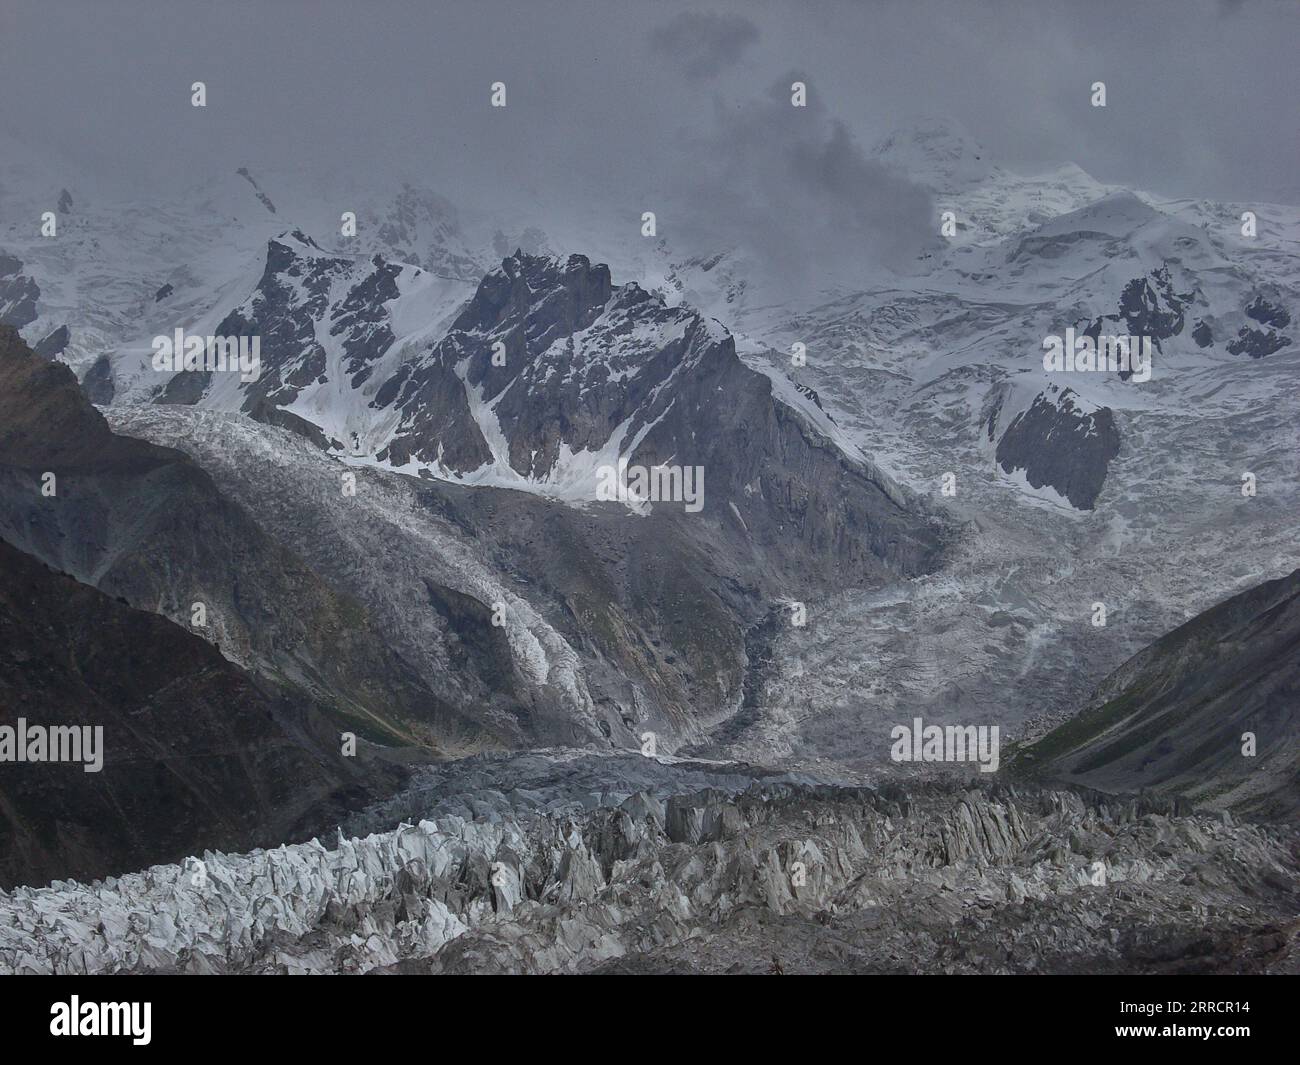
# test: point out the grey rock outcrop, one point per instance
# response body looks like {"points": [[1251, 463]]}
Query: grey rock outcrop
{"points": [[1056, 442], [18, 293]]}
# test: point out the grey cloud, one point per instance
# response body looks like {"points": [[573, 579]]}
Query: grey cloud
{"points": [[794, 189], [704, 44], [603, 116]]}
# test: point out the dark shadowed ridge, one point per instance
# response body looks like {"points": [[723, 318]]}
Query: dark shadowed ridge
{"points": [[197, 754], [145, 523], [1173, 718]]}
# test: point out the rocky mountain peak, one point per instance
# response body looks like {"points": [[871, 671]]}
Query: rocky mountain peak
{"points": [[567, 292]]}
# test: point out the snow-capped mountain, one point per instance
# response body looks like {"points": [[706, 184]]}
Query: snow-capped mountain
{"points": [[545, 381], [1081, 487], [426, 345], [117, 272]]}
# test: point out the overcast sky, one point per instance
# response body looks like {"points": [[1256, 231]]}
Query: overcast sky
{"points": [[626, 98]]}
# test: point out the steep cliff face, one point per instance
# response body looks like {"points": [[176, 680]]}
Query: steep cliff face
{"points": [[1266, 337], [551, 373], [513, 345], [195, 752], [1208, 711], [1150, 306], [1060, 442], [18, 293]]}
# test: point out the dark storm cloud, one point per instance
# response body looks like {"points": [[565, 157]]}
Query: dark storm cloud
{"points": [[704, 44]]}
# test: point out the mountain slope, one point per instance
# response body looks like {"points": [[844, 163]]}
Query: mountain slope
{"points": [[507, 412], [143, 522], [1175, 716], [1074, 488], [196, 753]]}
